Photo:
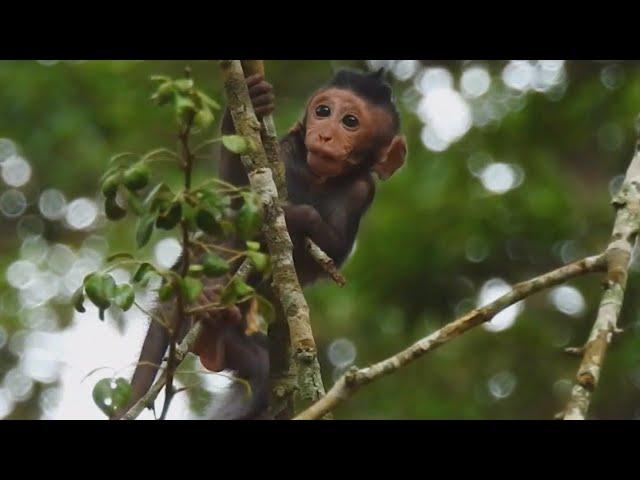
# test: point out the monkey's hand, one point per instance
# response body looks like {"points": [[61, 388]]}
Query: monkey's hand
{"points": [[301, 219], [261, 94]]}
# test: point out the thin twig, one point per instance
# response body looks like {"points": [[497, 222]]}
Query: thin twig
{"points": [[172, 363], [325, 262]]}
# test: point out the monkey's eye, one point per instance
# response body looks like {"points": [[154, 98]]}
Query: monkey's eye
{"points": [[350, 121], [323, 111]]}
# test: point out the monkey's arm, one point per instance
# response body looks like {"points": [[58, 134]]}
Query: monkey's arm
{"points": [[335, 234]]}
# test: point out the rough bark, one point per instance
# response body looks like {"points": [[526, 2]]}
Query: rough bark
{"points": [[618, 254], [285, 281]]}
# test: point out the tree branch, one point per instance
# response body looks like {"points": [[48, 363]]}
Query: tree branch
{"points": [[618, 255], [325, 261], [285, 280], [355, 378], [181, 351], [281, 371]]}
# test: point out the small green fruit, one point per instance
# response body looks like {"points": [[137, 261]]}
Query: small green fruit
{"points": [[136, 177]]}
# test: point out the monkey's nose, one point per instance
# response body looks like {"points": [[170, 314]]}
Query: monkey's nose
{"points": [[324, 138]]}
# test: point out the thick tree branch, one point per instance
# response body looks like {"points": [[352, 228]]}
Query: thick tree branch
{"points": [[269, 135], [285, 281], [281, 370], [355, 378], [618, 255]]}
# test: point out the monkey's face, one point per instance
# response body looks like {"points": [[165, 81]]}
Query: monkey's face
{"points": [[341, 128]]}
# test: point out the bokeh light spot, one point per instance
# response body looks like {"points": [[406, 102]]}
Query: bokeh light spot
{"points": [[568, 300], [52, 204], [81, 213], [167, 251], [341, 352], [492, 290], [502, 385], [16, 171], [13, 203]]}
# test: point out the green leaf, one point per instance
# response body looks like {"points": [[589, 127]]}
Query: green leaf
{"points": [[191, 288], [207, 100], [136, 177], [184, 107], [121, 159], [158, 198], [111, 394], [122, 255], [242, 288], [259, 260], [144, 230], [160, 78], [248, 220], [124, 296], [166, 291], [112, 210], [266, 309], [144, 272], [164, 93], [77, 300], [135, 203], [253, 246], [214, 265], [188, 216], [110, 171], [183, 84], [235, 143], [211, 200], [204, 118], [234, 292]]}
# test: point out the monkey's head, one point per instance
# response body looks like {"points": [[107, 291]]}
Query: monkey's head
{"points": [[352, 124]]}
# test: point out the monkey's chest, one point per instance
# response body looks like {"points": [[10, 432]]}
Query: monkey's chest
{"points": [[324, 201]]}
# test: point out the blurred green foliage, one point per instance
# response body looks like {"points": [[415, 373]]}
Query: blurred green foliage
{"points": [[410, 271]]}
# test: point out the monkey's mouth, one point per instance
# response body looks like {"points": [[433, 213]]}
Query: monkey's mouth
{"points": [[322, 154], [323, 163]]}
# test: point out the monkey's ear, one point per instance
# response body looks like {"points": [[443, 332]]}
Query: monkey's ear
{"points": [[378, 74], [393, 158]]}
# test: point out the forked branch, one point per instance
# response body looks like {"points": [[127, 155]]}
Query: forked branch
{"points": [[355, 378]]}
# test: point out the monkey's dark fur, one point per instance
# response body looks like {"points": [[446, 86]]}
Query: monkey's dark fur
{"points": [[328, 212]]}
